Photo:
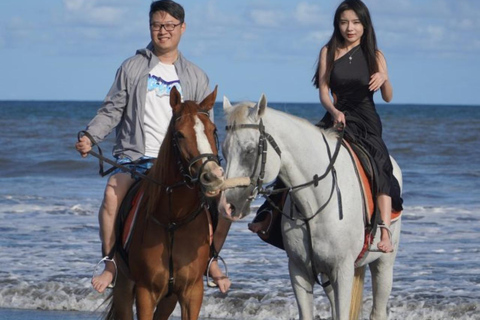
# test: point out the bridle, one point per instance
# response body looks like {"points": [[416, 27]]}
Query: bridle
{"points": [[186, 170], [261, 158], [261, 155]]}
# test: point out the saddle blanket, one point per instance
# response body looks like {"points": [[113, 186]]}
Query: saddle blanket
{"points": [[366, 183]]}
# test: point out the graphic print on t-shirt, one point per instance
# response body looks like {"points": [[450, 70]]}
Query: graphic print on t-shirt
{"points": [[158, 112], [162, 87]]}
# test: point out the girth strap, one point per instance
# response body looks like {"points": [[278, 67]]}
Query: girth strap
{"points": [[314, 270], [171, 228]]}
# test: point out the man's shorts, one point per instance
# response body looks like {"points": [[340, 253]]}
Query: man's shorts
{"points": [[141, 165]]}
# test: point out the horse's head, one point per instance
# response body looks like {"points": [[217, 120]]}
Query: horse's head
{"points": [[196, 141], [245, 150]]}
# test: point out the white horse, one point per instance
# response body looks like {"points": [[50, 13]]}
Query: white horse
{"points": [[326, 232]]}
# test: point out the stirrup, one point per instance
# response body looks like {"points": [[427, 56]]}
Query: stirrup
{"points": [[210, 282], [107, 259], [265, 232], [384, 226]]}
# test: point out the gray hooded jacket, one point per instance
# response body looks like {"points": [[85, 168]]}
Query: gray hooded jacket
{"points": [[124, 105]]}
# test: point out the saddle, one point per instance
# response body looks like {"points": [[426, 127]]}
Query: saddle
{"points": [[366, 174], [126, 218]]}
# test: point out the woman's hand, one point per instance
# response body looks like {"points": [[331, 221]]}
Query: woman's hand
{"points": [[338, 118], [380, 79], [377, 80]]}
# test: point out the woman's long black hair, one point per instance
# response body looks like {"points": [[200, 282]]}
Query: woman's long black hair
{"points": [[368, 42]]}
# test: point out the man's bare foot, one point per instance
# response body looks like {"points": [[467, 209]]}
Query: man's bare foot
{"points": [[221, 280], [256, 227], [103, 280], [385, 244]]}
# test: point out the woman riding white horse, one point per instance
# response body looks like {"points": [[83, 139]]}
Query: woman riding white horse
{"points": [[323, 228]]}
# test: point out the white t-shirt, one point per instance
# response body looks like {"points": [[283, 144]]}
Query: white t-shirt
{"points": [[158, 111]]}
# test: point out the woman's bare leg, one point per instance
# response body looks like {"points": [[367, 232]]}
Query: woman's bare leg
{"points": [[385, 205]]}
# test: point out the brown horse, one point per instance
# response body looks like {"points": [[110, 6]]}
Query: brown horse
{"points": [[170, 245]]}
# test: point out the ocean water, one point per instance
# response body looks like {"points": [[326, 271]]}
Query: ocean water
{"points": [[49, 199]]}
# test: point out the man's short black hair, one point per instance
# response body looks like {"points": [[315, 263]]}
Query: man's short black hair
{"points": [[171, 7]]}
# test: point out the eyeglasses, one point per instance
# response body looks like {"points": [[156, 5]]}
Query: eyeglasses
{"points": [[167, 26]]}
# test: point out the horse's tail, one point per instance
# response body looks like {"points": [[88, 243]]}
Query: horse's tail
{"points": [[106, 315], [119, 303], [357, 293], [110, 315]]}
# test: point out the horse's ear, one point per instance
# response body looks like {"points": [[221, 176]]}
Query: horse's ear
{"points": [[227, 106], [259, 109], [262, 105], [209, 100], [175, 99]]}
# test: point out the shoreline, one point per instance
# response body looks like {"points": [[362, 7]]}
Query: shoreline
{"points": [[38, 314]]}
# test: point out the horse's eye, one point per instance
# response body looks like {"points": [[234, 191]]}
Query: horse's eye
{"points": [[179, 135]]}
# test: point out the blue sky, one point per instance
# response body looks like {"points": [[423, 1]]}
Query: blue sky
{"points": [[70, 49]]}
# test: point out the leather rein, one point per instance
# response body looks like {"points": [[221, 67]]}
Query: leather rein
{"points": [[186, 170]]}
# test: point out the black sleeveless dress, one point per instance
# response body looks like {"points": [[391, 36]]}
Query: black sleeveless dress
{"points": [[349, 83]]}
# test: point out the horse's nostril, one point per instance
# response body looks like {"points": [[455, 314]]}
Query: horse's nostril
{"points": [[205, 177]]}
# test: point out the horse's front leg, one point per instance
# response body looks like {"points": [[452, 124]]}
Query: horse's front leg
{"points": [[146, 302], [328, 289], [342, 281], [302, 284], [165, 307], [191, 300]]}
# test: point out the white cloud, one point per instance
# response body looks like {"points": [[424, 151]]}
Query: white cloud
{"points": [[319, 37], [308, 13], [435, 33], [267, 17], [95, 12], [428, 27]]}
